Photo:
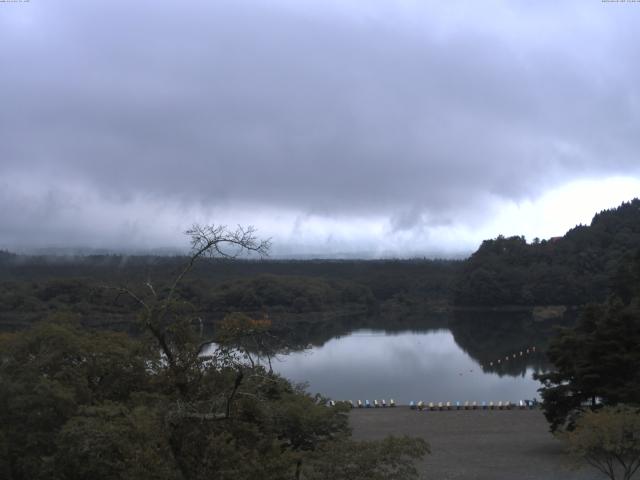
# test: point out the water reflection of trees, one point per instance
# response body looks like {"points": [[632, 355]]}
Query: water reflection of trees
{"points": [[492, 338], [296, 332], [312, 333], [489, 337]]}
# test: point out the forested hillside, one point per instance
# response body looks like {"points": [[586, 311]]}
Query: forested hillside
{"points": [[575, 269], [174, 402], [34, 287], [598, 358]]}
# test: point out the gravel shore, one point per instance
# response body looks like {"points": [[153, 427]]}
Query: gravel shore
{"points": [[476, 445]]}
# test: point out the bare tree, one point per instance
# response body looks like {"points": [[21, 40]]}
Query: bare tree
{"points": [[174, 335]]}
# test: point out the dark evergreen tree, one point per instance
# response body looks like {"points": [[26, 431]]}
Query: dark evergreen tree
{"points": [[597, 362]]}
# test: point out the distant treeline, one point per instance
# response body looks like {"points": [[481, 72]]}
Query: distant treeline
{"points": [[32, 287], [581, 267]]}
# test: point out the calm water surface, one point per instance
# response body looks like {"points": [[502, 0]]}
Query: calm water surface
{"points": [[429, 366]]}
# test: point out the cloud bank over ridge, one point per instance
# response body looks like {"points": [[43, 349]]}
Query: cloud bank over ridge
{"points": [[387, 127]]}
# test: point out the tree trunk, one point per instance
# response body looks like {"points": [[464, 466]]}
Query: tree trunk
{"points": [[298, 469]]}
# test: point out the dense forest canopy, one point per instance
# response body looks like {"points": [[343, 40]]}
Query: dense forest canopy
{"points": [[98, 380], [174, 402], [31, 288], [571, 270], [597, 362], [575, 269]]}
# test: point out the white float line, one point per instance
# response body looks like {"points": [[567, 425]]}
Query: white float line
{"points": [[442, 406]]}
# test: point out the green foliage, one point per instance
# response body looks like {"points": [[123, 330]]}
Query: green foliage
{"points": [[32, 287], [84, 404], [47, 373], [569, 270], [112, 441], [598, 361], [609, 440], [171, 404], [298, 294]]}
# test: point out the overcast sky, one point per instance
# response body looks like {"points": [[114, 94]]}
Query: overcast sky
{"points": [[362, 127]]}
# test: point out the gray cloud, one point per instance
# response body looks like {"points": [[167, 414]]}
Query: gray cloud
{"points": [[419, 114]]}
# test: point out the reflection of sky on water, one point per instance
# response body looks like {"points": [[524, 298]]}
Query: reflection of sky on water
{"points": [[406, 366]]}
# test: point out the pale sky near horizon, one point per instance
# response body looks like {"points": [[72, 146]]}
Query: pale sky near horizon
{"points": [[350, 128]]}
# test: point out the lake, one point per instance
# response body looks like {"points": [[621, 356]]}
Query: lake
{"points": [[462, 358], [464, 355], [412, 365]]}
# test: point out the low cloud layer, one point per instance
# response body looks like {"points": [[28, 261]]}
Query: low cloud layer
{"points": [[374, 126]]}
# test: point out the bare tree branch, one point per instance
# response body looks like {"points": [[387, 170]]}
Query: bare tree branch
{"points": [[148, 284], [206, 241], [125, 291]]}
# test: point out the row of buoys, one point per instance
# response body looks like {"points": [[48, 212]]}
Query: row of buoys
{"points": [[381, 404], [500, 405], [513, 356], [522, 405], [367, 404]]}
